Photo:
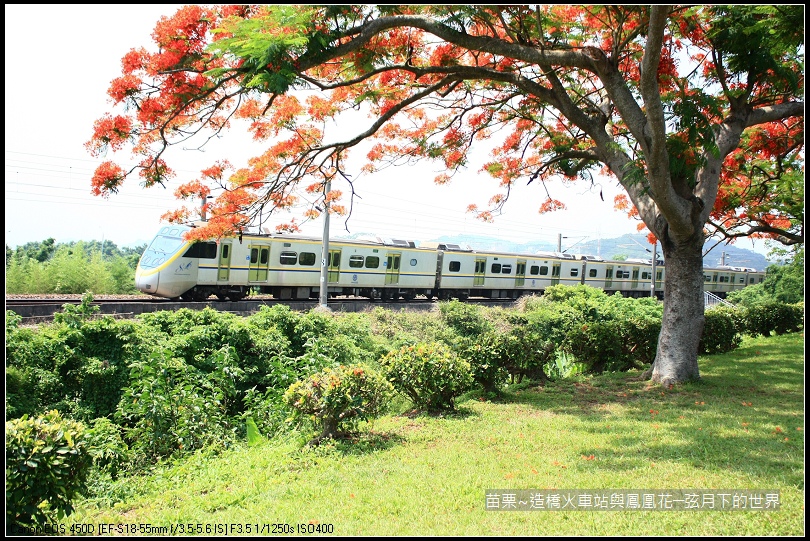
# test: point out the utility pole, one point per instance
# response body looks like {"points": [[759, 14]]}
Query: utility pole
{"points": [[722, 259], [654, 262], [324, 290], [559, 242]]}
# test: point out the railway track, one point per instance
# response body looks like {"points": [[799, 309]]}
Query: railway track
{"points": [[34, 309]]}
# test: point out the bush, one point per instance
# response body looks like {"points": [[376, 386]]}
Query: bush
{"points": [[769, 316], [338, 398], [171, 408], [720, 331], [598, 345], [431, 375], [465, 319], [47, 462], [106, 445], [485, 355]]}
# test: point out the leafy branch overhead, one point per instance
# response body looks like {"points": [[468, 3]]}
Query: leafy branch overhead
{"points": [[697, 112]]}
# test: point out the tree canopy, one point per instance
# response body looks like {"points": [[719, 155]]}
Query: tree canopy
{"points": [[696, 111], [559, 87]]}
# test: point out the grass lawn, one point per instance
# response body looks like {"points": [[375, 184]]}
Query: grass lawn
{"points": [[740, 427]]}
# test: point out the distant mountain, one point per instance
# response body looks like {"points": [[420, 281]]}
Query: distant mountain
{"points": [[624, 247]]}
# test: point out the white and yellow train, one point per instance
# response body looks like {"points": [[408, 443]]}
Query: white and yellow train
{"points": [[289, 267]]}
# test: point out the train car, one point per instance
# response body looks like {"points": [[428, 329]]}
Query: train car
{"points": [[289, 267], [286, 266], [494, 275], [631, 278], [724, 279]]}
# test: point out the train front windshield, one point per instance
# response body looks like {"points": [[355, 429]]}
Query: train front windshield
{"points": [[165, 244]]}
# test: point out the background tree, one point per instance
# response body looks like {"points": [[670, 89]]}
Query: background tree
{"points": [[696, 111]]}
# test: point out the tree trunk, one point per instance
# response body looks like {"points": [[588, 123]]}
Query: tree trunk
{"points": [[682, 325]]}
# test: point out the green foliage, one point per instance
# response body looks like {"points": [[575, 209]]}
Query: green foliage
{"points": [[431, 375], [721, 331], [20, 393], [76, 366], [465, 319], [774, 316], [564, 366], [47, 462], [254, 437], [338, 398], [485, 354], [604, 332], [110, 453], [47, 267], [405, 327], [266, 409], [783, 283], [171, 408], [73, 315]]}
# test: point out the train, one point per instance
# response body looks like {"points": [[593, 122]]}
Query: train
{"points": [[289, 267]]}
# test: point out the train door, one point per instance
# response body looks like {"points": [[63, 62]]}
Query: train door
{"points": [[224, 266], [609, 277], [555, 274], [659, 278], [259, 261], [634, 279], [520, 273], [392, 268], [480, 271], [333, 269]]}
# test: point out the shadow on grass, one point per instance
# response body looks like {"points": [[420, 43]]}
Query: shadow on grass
{"points": [[746, 413], [361, 443]]}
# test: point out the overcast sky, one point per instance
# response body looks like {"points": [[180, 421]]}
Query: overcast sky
{"points": [[60, 60]]}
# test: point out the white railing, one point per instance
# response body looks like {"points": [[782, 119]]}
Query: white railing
{"points": [[710, 299]]}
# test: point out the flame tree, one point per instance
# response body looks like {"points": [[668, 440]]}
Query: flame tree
{"points": [[697, 112]]}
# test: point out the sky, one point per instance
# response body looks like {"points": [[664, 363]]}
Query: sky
{"points": [[59, 63]]}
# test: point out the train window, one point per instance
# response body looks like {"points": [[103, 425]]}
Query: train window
{"points": [[592, 273], [751, 280], [372, 262], [480, 267], [356, 261], [534, 270], [714, 278], [742, 279], [544, 271], [645, 275], [254, 255], [335, 259], [506, 269], [288, 258], [707, 278], [413, 262], [496, 268], [659, 275], [622, 274], [265, 256], [609, 274], [202, 250], [724, 279], [454, 266], [306, 258], [574, 272], [225, 249]]}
